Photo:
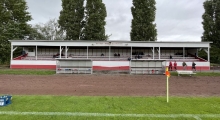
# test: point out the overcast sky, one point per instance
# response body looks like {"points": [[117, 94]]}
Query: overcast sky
{"points": [[176, 20]]}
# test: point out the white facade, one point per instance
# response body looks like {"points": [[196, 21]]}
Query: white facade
{"points": [[155, 48]]}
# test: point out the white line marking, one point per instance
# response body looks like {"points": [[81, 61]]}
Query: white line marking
{"points": [[196, 116]]}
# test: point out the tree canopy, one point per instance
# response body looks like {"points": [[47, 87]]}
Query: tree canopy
{"points": [[71, 17], [143, 27], [50, 30], [14, 18], [94, 22], [211, 26], [211, 22]]}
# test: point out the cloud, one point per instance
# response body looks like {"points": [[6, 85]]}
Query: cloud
{"points": [[43, 10], [176, 20], [118, 19], [179, 21]]}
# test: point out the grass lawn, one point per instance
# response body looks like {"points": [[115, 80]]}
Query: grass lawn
{"points": [[112, 108], [173, 73], [51, 72], [27, 72], [108, 108]]}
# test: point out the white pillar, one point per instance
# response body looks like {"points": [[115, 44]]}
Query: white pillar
{"points": [[183, 52], [153, 52], [131, 52], [109, 53], [197, 52], [36, 53], [87, 52], [65, 51], [60, 51], [159, 53], [208, 54], [11, 52]]}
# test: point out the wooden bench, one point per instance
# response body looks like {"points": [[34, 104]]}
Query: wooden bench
{"points": [[185, 72]]}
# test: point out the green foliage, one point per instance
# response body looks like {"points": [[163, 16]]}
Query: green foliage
{"points": [[211, 22], [14, 18], [83, 23], [94, 24], [34, 34], [214, 54], [203, 54], [112, 105], [50, 30], [143, 27], [211, 26], [71, 17]]}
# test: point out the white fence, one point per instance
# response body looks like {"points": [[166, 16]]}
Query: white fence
{"points": [[147, 66], [74, 66]]}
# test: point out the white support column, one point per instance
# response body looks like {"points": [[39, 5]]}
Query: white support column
{"points": [[36, 53], [66, 51], [131, 52], [12, 52], [60, 51], [159, 53], [208, 54], [197, 52], [183, 52], [153, 53], [87, 52], [109, 53]]}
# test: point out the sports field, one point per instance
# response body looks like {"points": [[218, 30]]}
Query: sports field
{"points": [[105, 96]]}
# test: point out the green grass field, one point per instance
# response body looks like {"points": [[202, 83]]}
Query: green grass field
{"points": [[52, 72], [75, 107], [198, 74], [26, 72], [108, 108]]}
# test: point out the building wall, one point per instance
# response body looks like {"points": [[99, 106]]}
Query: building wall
{"points": [[97, 65]]}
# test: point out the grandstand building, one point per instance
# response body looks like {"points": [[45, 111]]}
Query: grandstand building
{"points": [[107, 55]]}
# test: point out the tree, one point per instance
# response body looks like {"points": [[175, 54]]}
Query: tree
{"points": [[211, 26], [50, 30], [94, 23], [71, 17], [14, 18], [143, 27], [208, 21], [33, 34]]}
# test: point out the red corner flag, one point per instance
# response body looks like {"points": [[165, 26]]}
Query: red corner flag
{"points": [[167, 72]]}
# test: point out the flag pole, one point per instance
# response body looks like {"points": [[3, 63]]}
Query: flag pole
{"points": [[168, 75]]}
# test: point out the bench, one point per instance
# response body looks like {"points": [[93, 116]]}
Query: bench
{"points": [[185, 72]]}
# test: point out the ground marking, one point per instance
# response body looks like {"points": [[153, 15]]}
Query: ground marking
{"points": [[196, 116]]}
